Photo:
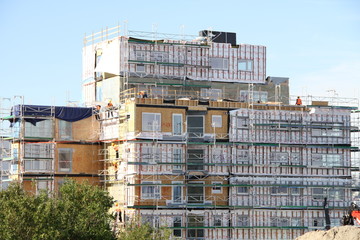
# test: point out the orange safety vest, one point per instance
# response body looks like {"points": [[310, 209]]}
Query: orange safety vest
{"points": [[298, 101]]}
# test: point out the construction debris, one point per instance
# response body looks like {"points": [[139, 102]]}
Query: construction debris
{"points": [[336, 233]]}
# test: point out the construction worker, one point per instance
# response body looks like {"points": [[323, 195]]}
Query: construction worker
{"points": [[116, 148], [109, 109], [116, 168], [97, 112], [298, 101], [143, 94]]}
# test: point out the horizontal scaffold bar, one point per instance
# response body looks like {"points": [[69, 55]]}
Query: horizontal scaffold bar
{"points": [[337, 146], [237, 185], [166, 43], [230, 207], [238, 227]]}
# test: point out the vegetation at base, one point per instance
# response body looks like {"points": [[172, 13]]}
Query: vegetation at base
{"points": [[136, 231], [77, 212]]}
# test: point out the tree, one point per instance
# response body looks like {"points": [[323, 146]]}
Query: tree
{"points": [[16, 214], [134, 230], [78, 211]]}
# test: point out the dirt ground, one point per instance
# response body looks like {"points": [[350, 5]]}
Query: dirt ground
{"points": [[335, 233]]}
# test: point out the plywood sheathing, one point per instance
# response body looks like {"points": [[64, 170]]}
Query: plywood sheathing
{"points": [[83, 130], [85, 158], [166, 117], [166, 190]]}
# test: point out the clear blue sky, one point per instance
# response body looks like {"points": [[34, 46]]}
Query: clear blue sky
{"points": [[315, 43]]}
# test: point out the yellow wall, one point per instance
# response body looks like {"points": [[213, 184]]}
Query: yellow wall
{"points": [[166, 191], [85, 158], [208, 121], [84, 130], [166, 117]]}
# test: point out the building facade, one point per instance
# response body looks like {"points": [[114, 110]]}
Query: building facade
{"points": [[48, 144], [192, 135], [214, 150]]}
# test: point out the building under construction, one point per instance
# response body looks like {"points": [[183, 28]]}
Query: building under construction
{"points": [[41, 146], [191, 134]]}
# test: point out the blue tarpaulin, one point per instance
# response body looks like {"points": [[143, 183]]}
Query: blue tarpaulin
{"points": [[70, 114]]}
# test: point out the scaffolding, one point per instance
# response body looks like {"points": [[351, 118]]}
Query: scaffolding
{"points": [[252, 182], [30, 148], [265, 176]]}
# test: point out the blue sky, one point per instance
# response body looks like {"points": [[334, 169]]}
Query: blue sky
{"points": [[314, 43]]}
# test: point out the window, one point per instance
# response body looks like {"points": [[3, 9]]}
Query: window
{"points": [[153, 221], [242, 156], [326, 160], [140, 68], [217, 221], [159, 57], [318, 222], [216, 121], [14, 168], [337, 194], [195, 159], [242, 221], [219, 63], [317, 160], [151, 191], [140, 55], [242, 122], [177, 192], [195, 126], [295, 191], [41, 186], [177, 224], [242, 190], [296, 222], [65, 159], [151, 154], [65, 130], [318, 193], [261, 96], [216, 188], [15, 153], [280, 157], [177, 158], [245, 65], [195, 192], [41, 129], [35, 165], [211, 93], [337, 130], [280, 222], [34, 150], [327, 130], [177, 122], [4, 166], [279, 190], [294, 158], [332, 160], [151, 121], [197, 222], [218, 156]]}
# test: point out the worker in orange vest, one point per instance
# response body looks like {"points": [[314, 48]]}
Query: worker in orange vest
{"points": [[116, 148], [298, 101]]}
